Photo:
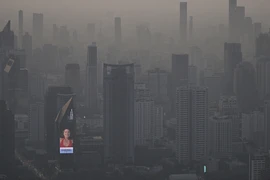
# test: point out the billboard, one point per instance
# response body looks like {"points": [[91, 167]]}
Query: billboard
{"points": [[66, 142]]}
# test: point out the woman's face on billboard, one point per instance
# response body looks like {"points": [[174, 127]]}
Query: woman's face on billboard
{"points": [[66, 133]]}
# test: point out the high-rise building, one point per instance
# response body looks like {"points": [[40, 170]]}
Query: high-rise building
{"points": [[91, 78], [192, 75], [143, 119], [91, 32], [190, 29], [51, 109], [27, 46], [72, 78], [50, 54], [7, 139], [158, 120], [257, 29], [238, 25], [36, 122], [263, 45], [263, 83], [63, 36], [183, 22], [37, 85], [266, 125], [232, 7], [214, 87], [37, 32], [257, 163], [20, 32], [196, 58], [118, 89], [55, 34], [232, 57], [220, 134], [7, 41], [118, 30], [157, 84], [179, 75], [245, 86], [192, 123]]}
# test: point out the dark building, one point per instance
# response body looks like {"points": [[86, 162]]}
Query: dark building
{"points": [[245, 87], [118, 89], [118, 30], [7, 38], [232, 57], [91, 32], [232, 6], [179, 75], [183, 22], [27, 46], [7, 140], [72, 78], [263, 45], [50, 112], [37, 30]]}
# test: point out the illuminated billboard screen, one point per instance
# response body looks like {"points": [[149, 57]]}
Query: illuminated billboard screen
{"points": [[67, 134]]}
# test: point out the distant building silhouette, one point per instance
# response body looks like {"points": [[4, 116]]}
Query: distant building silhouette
{"points": [[232, 57], [118, 30], [263, 82], [7, 41], [263, 45], [36, 122], [118, 85], [91, 32], [72, 78], [37, 31], [190, 29], [183, 22], [27, 46], [20, 32], [91, 78], [232, 6]]}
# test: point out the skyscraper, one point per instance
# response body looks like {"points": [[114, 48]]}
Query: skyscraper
{"points": [[192, 123], [51, 108], [179, 76], [55, 34], [72, 78], [36, 122], [257, 29], [183, 22], [118, 30], [7, 38], [245, 86], [263, 45], [20, 33], [91, 78], [190, 28], [239, 22], [232, 6], [263, 83], [232, 57], [37, 32], [7, 139], [118, 85], [27, 46]]}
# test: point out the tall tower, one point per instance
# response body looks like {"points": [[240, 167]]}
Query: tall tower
{"points": [[179, 76], [190, 29], [36, 122], [183, 22], [91, 32], [192, 123], [263, 82], [232, 7], [91, 78], [27, 46], [118, 30], [37, 32], [118, 89], [7, 37], [72, 77], [20, 33], [232, 57]]}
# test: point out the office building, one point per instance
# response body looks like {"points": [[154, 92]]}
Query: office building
{"points": [[239, 22], [232, 57], [49, 59], [214, 85], [196, 58], [192, 75], [72, 78], [91, 32], [158, 121], [91, 78], [263, 45], [36, 122], [143, 118], [220, 129], [55, 34], [179, 75], [263, 83], [7, 139], [257, 29], [266, 125], [190, 29], [118, 89], [157, 84], [37, 31], [63, 37], [7, 38], [118, 30], [183, 22], [27, 46], [232, 7], [51, 109], [20, 32], [192, 123], [257, 163], [37, 85], [245, 86]]}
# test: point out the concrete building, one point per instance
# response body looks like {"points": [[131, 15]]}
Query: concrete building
{"points": [[183, 22], [72, 78], [36, 122], [192, 123], [117, 30], [20, 31], [263, 82], [37, 31], [118, 89]]}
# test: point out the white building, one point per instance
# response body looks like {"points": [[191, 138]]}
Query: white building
{"points": [[192, 123], [220, 136], [36, 122]]}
